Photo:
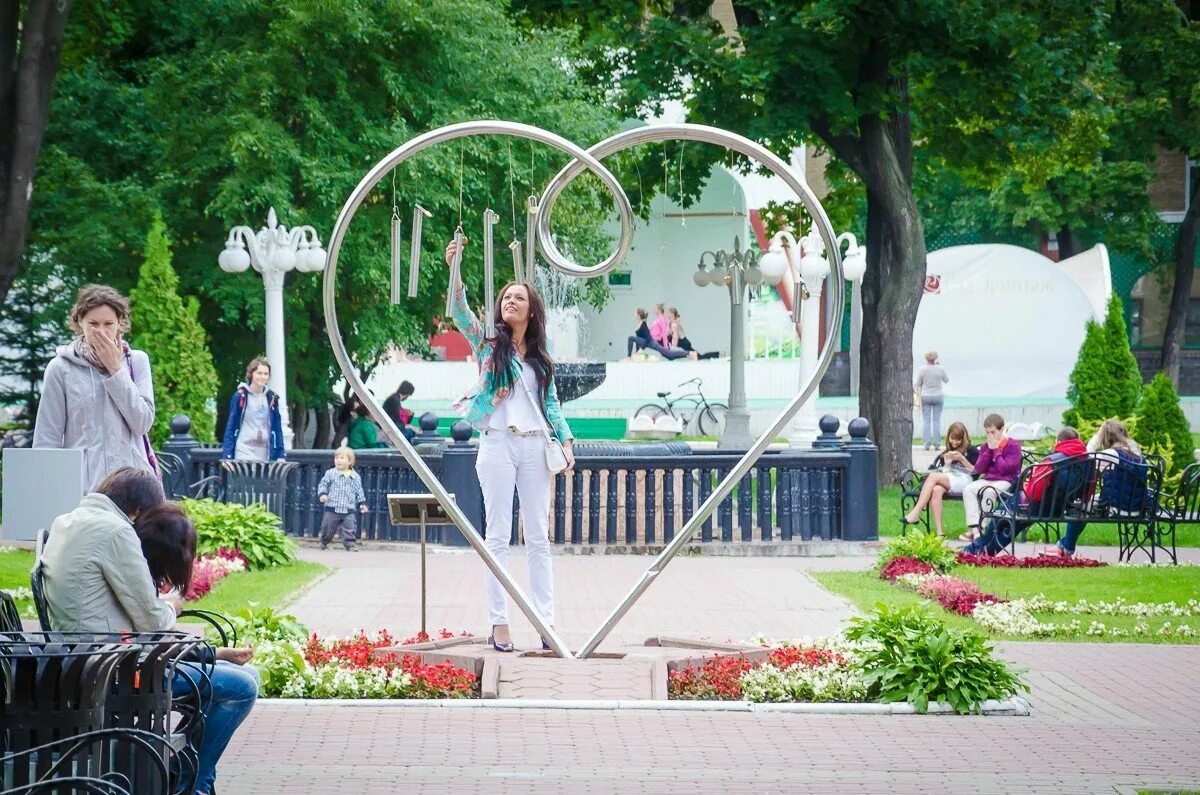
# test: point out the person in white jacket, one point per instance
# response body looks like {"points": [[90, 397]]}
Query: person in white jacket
{"points": [[97, 394]]}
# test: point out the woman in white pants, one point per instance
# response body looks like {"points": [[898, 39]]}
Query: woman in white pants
{"points": [[998, 466], [512, 405]]}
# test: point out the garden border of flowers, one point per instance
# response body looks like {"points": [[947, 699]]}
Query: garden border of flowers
{"points": [[1017, 616]]}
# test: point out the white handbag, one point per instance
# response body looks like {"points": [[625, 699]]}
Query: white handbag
{"points": [[556, 455]]}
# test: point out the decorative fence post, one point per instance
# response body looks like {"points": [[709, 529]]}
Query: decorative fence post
{"points": [[861, 498], [459, 478], [181, 442], [828, 439]]}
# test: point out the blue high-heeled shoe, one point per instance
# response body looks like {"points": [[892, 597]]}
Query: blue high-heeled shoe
{"points": [[504, 647]]}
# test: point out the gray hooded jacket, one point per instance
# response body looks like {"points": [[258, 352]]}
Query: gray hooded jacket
{"points": [[105, 416]]}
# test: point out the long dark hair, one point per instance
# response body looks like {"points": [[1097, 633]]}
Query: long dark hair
{"points": [[536, 348], [169, 545]]}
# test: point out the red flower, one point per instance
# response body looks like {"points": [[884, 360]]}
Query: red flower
{"points": [[904, 565], [1033, 562], [715, 679], [807, 656]]}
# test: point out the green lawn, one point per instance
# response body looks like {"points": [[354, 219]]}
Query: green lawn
{"points": [[1161, 584], [267, 588], [1186, 535], [14, 569], [270, 587]]}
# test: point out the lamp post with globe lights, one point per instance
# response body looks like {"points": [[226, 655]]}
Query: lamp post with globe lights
{"points": [[735, 271], [273, 251], [810, 274]]}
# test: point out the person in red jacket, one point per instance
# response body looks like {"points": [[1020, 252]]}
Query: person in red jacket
{"points": [[998, 466], [1067, 445]]}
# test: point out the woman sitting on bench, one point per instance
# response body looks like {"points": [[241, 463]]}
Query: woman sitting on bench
{"points": [[104, 565], [950, 473], [1123, 484]]}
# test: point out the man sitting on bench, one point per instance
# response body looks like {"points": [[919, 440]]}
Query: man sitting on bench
{"points": [[1029, 501]]}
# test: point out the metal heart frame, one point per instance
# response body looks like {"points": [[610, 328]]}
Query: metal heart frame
{"points": [[373, 178], [585, 160], [742, 145]]}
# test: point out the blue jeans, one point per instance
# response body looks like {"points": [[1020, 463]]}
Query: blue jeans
{"points": [[234, 691], [1071, 537], [931, 420]]}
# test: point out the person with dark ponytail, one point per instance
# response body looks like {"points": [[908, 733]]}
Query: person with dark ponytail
{"points": [[514, 405]]}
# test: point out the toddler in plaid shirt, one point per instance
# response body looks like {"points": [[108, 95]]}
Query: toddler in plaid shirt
{"points": [[341, 492]]}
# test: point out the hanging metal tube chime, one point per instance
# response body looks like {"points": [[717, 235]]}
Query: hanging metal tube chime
{"points": [[490, 219], [396, 240], [531, 219], [455, 270], [414, 257]]}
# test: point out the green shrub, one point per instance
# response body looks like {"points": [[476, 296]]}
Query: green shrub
{"points": [[250, 528], [256, 624], [167, 327], [925, 547], [908, 655], [1105, 381], [1161, 425]]}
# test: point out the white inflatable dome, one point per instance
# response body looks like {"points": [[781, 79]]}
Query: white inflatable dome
{"points": [[1007, 321]]}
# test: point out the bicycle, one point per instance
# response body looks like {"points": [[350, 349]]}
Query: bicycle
{"points": [[709, 417]]}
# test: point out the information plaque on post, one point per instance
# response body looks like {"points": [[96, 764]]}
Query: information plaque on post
{"points": [[423, 510], [39, 485]]}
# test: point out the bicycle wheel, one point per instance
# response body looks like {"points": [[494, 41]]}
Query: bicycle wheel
{"points": [[651, 410], [685, 411], [712, 419]]}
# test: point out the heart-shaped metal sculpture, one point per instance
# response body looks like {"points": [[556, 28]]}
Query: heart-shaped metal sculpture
{"points": [[584, 160]]}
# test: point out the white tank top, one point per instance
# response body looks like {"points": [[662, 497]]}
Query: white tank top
{"points": [[515, 409]]}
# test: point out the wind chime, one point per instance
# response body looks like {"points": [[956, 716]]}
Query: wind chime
{"points": [[522, 256]]}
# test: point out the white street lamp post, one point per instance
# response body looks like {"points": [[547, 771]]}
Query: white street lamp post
{"points": [[736, 271], [273, 251], [854, 266], [810, 277]]}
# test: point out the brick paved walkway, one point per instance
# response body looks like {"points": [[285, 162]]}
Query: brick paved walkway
{"points": [[1089, 732], [721, 598], [1105, 718]]}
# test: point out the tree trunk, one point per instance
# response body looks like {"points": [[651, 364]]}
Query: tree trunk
{"points": [[322, 438], [891, 293], [299, 414], [1181, 291], [1068, 244], [26, 80]]}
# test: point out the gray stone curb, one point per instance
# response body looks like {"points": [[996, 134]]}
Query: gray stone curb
{"points": [[1012, 707]]}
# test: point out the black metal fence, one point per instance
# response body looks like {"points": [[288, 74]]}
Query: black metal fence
{"points": [[618, 494]]}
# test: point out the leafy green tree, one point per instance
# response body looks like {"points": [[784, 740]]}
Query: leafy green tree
{"points": [[867, 80], [1159, 56], [1105, 381], [212, 112], [166, 327], [1161, 423], [33, 321]]}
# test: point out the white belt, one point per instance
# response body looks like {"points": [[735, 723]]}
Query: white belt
{"points": [[511, 430]]}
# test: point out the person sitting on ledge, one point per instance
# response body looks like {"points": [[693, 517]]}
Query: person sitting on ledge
{"points": [[998, 535]]}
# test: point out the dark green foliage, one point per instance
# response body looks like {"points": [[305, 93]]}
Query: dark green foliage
{"points": [[1106, 381], [1161, 423], [252, 529], [33, 322], [167, 328], [920, 660]]}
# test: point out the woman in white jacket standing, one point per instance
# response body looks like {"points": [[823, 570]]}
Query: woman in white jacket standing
{"points": [[97, 394]]}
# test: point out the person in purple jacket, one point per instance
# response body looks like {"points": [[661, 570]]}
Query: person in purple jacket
{"points": [[998, 465]]}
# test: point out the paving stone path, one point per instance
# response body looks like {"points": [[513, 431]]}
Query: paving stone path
{"points": [[1105, 718]]}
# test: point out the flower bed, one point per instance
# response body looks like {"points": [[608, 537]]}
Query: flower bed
{"points": [[1019, 617], [1032, 562], [207, 570], [295, 663], [886, 657]]}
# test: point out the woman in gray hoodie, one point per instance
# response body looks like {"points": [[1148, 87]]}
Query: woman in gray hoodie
{"points": [[97, 395]]}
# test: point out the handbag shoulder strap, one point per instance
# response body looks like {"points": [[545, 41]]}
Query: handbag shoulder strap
{"points": [[536, 409]]}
